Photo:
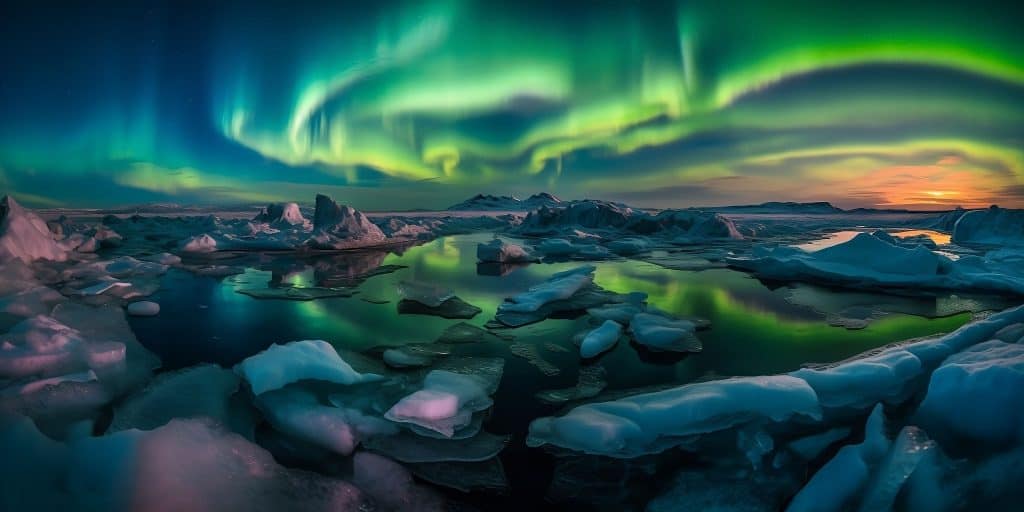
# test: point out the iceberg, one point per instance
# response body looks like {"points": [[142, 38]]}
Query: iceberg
{"points": [[24, 236], [280, 365], [992, 226], [342, 227]]}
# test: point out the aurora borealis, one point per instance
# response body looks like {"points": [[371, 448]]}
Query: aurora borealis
{"points": [[419, 104]]}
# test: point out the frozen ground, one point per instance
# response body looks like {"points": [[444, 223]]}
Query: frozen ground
{"points": [[510, 354]]}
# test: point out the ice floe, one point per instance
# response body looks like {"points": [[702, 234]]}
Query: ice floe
{"points": [[280, 365]]}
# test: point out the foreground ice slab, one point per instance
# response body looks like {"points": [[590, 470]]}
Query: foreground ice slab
{"points": [[601, 339], [197, 392], [280, 365], [653, 422], [184, 465]]}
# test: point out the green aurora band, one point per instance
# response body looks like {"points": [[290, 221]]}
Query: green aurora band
{"points": [[416, 104]]}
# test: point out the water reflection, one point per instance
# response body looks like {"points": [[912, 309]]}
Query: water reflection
{"points": [[756, 328]]}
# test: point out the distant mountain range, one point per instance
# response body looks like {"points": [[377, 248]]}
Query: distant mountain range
{"points": [[486, 202]]}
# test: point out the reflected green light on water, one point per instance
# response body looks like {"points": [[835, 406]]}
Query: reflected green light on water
{"points": [[754, 328]]}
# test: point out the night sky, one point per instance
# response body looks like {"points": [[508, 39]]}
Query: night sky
{"points": [[419, 104]]}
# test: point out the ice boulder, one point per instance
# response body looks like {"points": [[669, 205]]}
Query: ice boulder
{"points": [[342, 227], [280, 365], [975, 396], [660, 333], [992, 226], [654, 422], [497, 251], [601, 339], [24, 236]]}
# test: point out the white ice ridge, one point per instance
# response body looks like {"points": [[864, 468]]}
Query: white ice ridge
{"points": [[653, 422], [280, 365]]}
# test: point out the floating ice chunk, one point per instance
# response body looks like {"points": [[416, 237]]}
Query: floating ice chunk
{"points": [[298, 413], [24, 236], [659, 333], [41, 346], [601, 339], [501, 252], [199, 244], [143, 308], [974, 397], [280, 365], [653, 422], [445, 404], [197, 392], [426, 294], [559, 286]]}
